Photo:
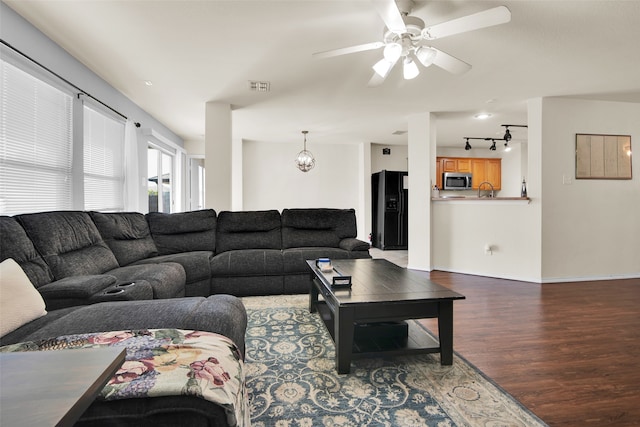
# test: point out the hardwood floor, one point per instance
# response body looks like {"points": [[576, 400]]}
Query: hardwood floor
{"points": [[570, 352]]}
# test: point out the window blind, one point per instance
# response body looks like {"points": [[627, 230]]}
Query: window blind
{"points": [[35, 143], [103, 160]]}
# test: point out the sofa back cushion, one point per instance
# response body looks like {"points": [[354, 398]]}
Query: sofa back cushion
{"points": [[69, 242], [127, 235], [14, 243], [183, 231], [248, 230], [317, 227]]}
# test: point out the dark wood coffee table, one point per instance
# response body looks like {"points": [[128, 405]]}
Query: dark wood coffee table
{"points": [[381, 292]]}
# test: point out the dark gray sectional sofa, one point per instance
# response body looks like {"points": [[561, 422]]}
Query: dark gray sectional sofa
{"points": [[76, 258], [112, 271]]}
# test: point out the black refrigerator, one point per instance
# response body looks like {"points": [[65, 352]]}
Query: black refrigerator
{"points": [[389, 217]]}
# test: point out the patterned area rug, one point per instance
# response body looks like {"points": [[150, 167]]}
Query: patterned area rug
{"points": [[292, 381]]}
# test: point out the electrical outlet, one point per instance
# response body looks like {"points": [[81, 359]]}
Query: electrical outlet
{"points": [[567, 179]]}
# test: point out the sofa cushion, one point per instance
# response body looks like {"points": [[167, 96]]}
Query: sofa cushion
{"points": [[196, 264], [167, 279], [69, 242], [184, 231], [127, 235], [295, 259], [222, 314], [248, 230], [20, 302], [317, 227], [247, 262], [14, 243]]}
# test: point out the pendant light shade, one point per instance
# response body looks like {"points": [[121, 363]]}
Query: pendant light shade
{"points": [[426, 55], [410, 69], [304, 160], [392, 52]]}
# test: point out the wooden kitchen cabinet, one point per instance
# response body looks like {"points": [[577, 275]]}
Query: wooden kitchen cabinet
{"points": [[489, 170], [456, 164], [483, 169]]}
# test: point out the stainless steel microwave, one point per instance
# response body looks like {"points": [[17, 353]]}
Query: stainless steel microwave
{"points": [[456, 181]]}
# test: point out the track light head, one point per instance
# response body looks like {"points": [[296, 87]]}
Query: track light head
{"points": [[493, 146], [507, 135], [467, 146]]}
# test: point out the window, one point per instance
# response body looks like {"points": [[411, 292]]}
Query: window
{"points": [[62, 150], [160, 181], [103, 160], [36, 130]]}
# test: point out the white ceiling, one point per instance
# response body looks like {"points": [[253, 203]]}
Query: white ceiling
{"points": [[200, 51]]}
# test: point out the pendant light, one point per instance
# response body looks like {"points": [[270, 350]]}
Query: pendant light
{"points": [[304, 160]]}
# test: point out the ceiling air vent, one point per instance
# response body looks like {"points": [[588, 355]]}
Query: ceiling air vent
{"points": [[259, 86], [399, 132]]}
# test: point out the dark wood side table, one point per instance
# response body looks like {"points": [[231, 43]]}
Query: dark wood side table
{"points": [[381, 292], [53, 388]]}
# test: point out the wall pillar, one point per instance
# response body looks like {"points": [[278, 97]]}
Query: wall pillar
{"points": [[422, 160], [218, 156]]}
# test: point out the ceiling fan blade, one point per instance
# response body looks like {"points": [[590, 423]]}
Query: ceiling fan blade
{"points": [[347, 50], [376, 80], [450, 63], [488, 18], [390, 14]]}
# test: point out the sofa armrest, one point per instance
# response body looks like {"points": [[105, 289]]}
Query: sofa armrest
{"points": [[77, 286], [353, 244], [83, 290]]}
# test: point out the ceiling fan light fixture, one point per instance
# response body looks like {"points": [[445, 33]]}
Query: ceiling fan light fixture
{"points": [[410, 69], [392, 52], [426, 55], [383, 67]]}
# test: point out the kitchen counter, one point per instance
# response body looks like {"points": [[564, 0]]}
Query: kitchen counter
{"points": [[447, 198]]}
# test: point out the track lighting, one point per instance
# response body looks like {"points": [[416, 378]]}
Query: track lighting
{"points": [[507, 134], [467, 146], [506, 146]]}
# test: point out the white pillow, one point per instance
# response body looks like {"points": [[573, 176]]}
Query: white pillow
{"points": [[20, 301]]}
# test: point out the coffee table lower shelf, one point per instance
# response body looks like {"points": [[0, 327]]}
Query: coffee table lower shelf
{"points": [[416, 340]]}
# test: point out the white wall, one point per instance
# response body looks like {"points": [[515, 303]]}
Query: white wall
{"points": [[591, 228], [586, 230], [271, 179], [20, 34], [396, 161]]}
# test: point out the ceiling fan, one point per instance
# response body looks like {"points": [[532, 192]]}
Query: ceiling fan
{"points": [[406, 38]]}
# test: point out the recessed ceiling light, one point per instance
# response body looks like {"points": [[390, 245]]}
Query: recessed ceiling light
{"points": [[482, 116], [148, 82]]}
